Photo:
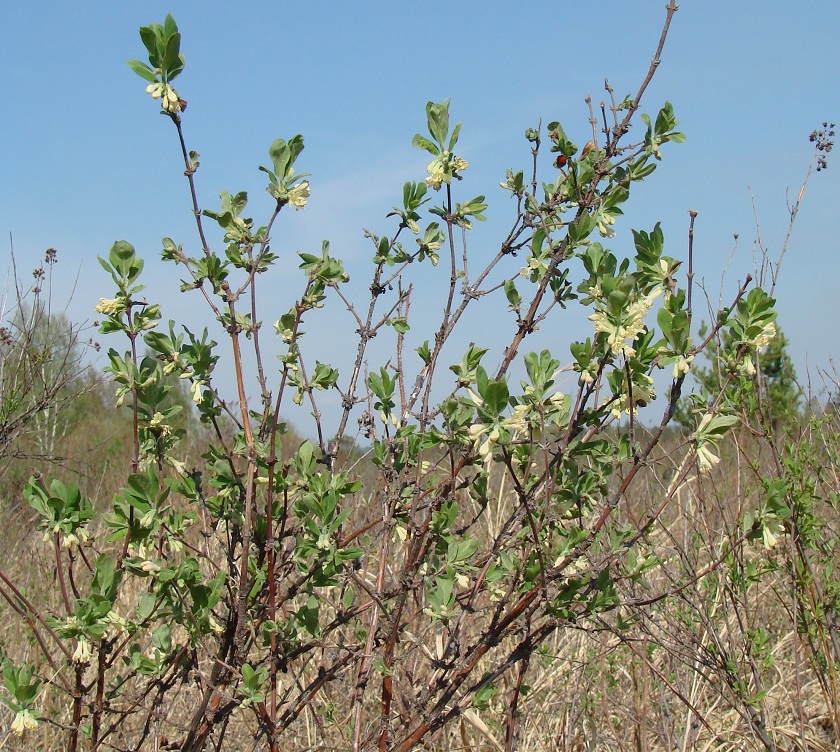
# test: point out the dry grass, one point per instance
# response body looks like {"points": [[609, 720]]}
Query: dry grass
{"points": [[675, 667]]}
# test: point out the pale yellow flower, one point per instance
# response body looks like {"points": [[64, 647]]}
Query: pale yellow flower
{"points": [[171, 102], [559, 400], [324, 542], [150, 567], [458, 165], [704, 422], [75, 538], [746, 367], [442, 168], [71, 623], [110, 306], [24, 720], [119, 624], [682, 365], [764, 337], [437, 173], [706, 459], [484, 444], [476, 399], [630, 326], [517, 422], [214, 625], [586, 377], [605, 222], [771, 531], [643, 394], [298, 194], [83, 652]]}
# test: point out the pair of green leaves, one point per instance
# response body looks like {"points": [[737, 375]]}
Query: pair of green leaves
{"points": [[283, 155], [163, 44], [437, 117]]}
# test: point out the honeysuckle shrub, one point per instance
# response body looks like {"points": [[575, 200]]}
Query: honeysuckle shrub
{"points": [[388, 595]]}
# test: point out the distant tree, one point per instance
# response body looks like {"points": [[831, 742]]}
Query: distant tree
{"points": [[42, 368], [767, 381]]}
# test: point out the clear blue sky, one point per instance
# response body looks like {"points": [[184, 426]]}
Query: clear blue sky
{"points": [[86, 159]]}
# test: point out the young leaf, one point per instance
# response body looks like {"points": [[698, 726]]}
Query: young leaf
{"points": [[142, 70]]}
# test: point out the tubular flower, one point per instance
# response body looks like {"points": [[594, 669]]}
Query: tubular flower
{"points": [[746, 367], [682, 365], [110, 306], [605, 222], [771, 531], [643, 394], [764, 337], [171, 102], [518, 420], [24, 720], [119, 624], [157, 424], [706, 458], [150, 567], [535, 266], [83, 652], [484, 444], [196, 392], [630, 323], [76, 538], [437, 173], [459, 165], [214, 625], [443, 168], [298, 194]]}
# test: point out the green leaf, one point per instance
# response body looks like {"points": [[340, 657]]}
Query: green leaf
{"points": [[143, 70], [305, 459], [169, 25], [107, 579], [512, 295], [494, 393], [149, 37], [581, 229], [283, 154], [454, 137], [424, 352], [400, 324], [437, 116], [421, 142], [145, 607], [171, 55]]}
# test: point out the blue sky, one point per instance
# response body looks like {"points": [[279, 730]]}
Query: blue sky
{"points": [[86, 159]]}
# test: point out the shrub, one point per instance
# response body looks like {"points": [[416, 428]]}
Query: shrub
{"points": [[269, 590]]}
